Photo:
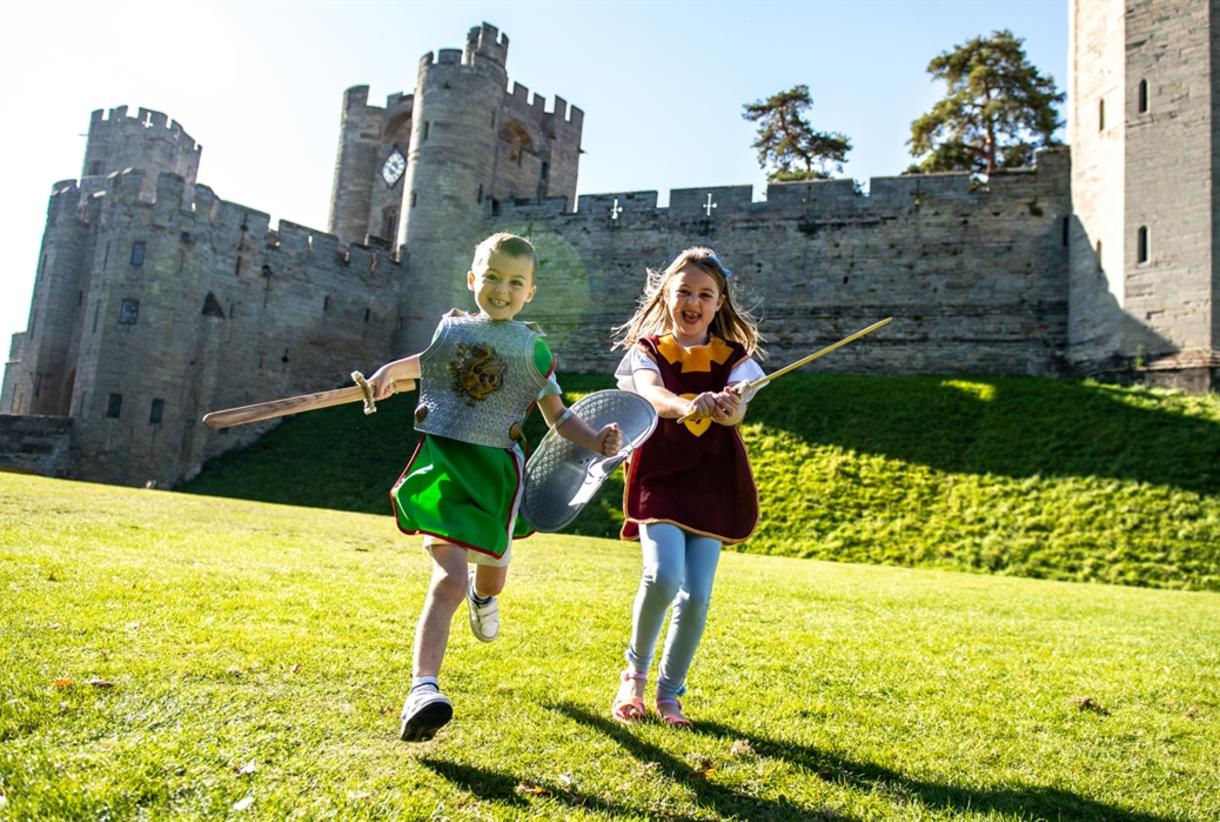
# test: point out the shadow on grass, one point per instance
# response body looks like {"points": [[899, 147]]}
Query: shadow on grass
{"points": [[1034, 802], [499, 787], [1014, 427], [720, 799], [865, 777]]}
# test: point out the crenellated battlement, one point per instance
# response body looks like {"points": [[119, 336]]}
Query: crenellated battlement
{"points": [[886, 196], [486, 42], [116, 119]]}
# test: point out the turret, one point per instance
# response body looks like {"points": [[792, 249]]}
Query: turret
{"points": [[450, 169], [359, 142], [149, 141]]}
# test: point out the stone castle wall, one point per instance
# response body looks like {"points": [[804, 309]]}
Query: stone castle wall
{"points": [[976, 278]]}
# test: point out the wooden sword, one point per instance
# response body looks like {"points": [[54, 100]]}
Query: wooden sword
{"points": [[360, 392], [761, 381]]}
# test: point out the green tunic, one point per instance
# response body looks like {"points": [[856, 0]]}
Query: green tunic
{"points": [[467, 494]]}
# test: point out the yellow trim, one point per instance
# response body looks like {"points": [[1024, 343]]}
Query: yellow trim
{"points": [[698, 358]]}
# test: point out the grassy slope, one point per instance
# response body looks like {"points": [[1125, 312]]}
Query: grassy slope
{"points": [[1043, 478], [239, 633]]}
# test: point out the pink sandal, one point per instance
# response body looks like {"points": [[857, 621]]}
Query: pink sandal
{"points": [[670, 711], [631, 710]]}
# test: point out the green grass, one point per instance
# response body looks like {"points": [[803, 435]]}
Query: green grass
{"points": [[236, 632], [1041, 478]]}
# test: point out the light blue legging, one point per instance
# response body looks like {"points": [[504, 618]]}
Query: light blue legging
{"points": [[679, 568]]}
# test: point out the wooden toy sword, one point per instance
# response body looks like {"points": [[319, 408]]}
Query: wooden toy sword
{"points": [[761, 381], [360, 392]]}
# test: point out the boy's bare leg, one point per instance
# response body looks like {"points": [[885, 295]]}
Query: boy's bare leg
{"points": [[446, 592], [489, 579]]}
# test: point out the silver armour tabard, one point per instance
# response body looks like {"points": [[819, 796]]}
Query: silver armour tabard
{"points": [[478, 379]]}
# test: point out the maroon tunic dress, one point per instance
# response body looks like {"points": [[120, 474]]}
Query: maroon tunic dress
{"points": [[696, 474]]}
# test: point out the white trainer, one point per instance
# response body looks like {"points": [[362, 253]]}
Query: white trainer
{"points": [[425, 712], [485, 618]]}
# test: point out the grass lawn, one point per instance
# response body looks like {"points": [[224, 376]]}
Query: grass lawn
{"points": [[167, 655]]}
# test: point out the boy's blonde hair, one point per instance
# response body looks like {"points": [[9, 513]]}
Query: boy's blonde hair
{"points": [[510, 244], [651, 317]]}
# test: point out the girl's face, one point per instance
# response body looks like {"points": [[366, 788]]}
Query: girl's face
{"points": [[692, 299], [503, 286]]}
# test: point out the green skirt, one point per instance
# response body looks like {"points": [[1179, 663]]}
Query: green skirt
{"points": [[462, 493]]}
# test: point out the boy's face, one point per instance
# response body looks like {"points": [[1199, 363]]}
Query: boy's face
{"points": [[503, 286]]}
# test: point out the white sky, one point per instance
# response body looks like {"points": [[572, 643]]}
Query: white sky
{"points": [[259, 84]]}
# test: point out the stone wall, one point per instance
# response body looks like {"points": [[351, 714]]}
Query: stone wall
{"points": [[975, 277], [35, 445]]}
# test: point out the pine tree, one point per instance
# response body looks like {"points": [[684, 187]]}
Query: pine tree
{"points": [[786, 141], [998, 110]]}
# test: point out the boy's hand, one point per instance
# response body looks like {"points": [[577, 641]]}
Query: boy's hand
{"points": [[609, 440], [381, 384]]}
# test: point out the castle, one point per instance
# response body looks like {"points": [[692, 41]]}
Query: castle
{"points": [[155, 301]]}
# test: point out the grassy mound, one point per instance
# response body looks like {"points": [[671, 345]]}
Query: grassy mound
{"points": [[167, 656], [1043, 478]]}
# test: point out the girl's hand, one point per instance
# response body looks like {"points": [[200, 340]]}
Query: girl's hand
{"points": [[380, 382], [609, 440], [728, 406], [703, 405]]}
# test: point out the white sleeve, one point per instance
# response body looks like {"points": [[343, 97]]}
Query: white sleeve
{"points": [[747, 370], [634, 360]]}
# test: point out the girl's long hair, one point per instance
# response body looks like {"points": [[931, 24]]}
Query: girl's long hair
{"points": [[651, 317]]}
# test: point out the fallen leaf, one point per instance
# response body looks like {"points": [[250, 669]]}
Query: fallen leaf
{"points": [[62, 682], [526, 786], [1192, 712], [245, 770], [704, 774], [296, 667], [701, 762], [243, 804], [741, 747], [235, 671], [1087, 703], [100, 683], [385, 710], [52, 578], [567, 780]]}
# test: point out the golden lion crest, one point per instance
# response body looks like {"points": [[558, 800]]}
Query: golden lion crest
{"points": [[477, 372]]}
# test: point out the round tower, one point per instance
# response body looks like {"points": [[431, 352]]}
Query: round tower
{"points": [[450, 167], [148, 141], [359, 142]]}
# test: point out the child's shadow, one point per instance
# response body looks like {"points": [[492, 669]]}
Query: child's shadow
{"points": [[724, 801], [1038, 802]]}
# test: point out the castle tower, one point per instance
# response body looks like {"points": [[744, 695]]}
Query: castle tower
{"points": [[149, 141], [359, 140], [450, 170], [1143, 130]]}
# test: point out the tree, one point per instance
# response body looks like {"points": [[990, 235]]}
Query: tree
{"points": [[997, 112], [788, 143]]}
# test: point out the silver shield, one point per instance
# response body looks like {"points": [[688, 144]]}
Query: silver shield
{"points": [[561, 477]]}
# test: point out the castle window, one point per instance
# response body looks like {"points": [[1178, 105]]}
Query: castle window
{"points": [[114, 406], [137, 255], [156, 411], [1065, 232], [326, 304], [546, 167], [479, 199], [366, 314], [1101, 115], [95, 168], [1099, 268], [1141, 244], [129, 312], [426, 125], [212, 308], [413, 198], [389, 223], [1143, 97]]}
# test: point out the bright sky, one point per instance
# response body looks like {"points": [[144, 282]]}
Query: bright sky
{"points": [[259, 84]]}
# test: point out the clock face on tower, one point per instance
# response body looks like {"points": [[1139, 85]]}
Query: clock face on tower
{"points": [[393, 167]]}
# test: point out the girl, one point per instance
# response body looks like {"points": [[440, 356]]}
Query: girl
{"points": [[689, 487], [462, 487]]}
